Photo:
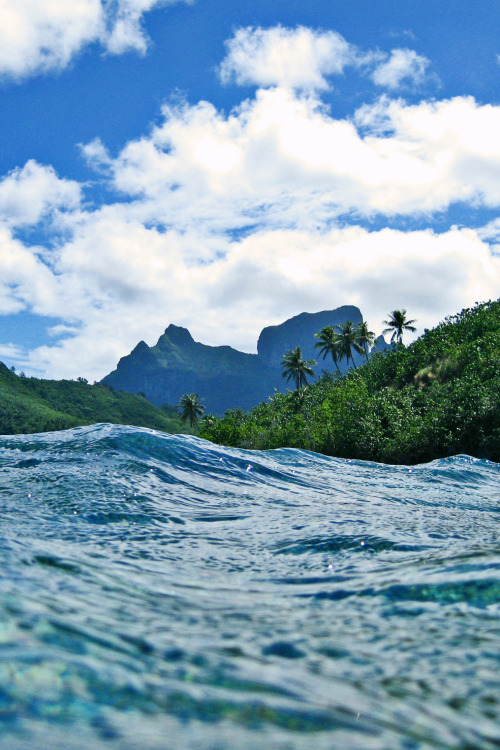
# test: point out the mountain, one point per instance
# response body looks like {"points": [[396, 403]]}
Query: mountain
{"points": [[223, 377]]}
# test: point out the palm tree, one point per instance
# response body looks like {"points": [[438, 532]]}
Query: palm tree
{"points": [[365, 337], [295, 368], [192, 408], [397, 325], [347, 341], [328, 344]]}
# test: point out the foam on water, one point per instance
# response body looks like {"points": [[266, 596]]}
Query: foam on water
{"points": [[159, 591]]}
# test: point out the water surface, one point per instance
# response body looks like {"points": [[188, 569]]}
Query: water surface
{"points": [[159, 592]]}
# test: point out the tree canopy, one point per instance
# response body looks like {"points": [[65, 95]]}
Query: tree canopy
{"points": [[347, 341], [364, 337], [191, 408], [328, 344], [296, 368], [397, 324]]}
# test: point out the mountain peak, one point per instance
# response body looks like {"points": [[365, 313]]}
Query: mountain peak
{"points": [[176, 335], [140, 348]]}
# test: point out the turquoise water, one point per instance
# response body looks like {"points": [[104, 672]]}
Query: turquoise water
{"points": [[159, 591]]}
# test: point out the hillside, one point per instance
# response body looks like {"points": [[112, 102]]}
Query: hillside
{"points": [[29, 405], [438, 397]]}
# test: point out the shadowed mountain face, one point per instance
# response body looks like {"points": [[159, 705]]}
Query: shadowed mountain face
{"points": [[274, 341], [223, 377]]}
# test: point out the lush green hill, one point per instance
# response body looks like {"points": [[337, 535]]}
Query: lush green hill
{"points": [[30, 405], [438, 397]]}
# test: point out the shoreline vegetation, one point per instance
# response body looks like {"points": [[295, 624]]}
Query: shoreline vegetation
{"points": [[30, 405], [438, 397]]}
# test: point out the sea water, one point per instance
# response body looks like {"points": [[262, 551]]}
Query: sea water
{"points": [[158, 591]]}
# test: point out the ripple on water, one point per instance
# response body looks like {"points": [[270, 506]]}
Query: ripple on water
{"points": [[157, 586]]}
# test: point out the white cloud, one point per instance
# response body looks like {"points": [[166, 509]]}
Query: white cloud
{"points": [[232, 221], [25, 280], [285, 152], [491, 232], [304, 58], [273, 271], [43, 34], [12, 352], [29, 193], [125, 30], [452, 146], [39, 35], [404, 66], [278, 56]]}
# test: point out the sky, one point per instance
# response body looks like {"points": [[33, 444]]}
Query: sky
{"points": [[224, 165]]}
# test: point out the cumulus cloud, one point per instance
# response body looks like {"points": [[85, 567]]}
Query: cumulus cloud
{"points": [[404, 66], [277, 272], [278, 56], [227, 222], [29, 193], [39, 35], [124, 25], [25, 280], [28, 197], [285, 152], [453, 142], [304, 58]]}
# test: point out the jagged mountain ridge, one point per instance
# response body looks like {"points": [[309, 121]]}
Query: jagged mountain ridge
{"points": [[224, 377]]}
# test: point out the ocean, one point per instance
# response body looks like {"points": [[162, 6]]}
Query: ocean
{"points": [[159, 591]]}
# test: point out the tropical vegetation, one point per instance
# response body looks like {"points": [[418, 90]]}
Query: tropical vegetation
{"points": [[347, 341], [397, 325], [328, 345], [365, 338], [439, 396], [297, 369], [191, 408], [30, 405]]}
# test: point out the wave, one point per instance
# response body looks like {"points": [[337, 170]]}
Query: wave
{"points": [[158, 588]]}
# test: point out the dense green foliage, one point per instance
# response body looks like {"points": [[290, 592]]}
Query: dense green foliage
{"points": [[30, 405], [438, 397]]}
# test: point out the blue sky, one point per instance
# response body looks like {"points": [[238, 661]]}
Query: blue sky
{"points": [[225, 165]]}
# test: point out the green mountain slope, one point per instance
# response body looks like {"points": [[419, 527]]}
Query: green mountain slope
{"points": [[438, 397], [30, 405]]}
